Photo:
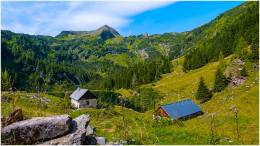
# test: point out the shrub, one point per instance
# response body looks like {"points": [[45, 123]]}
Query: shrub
{"points": [[145, 100], [57, 94]]}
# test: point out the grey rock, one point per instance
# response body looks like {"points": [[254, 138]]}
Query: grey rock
{"points": [[77, 135], [90, 130], [236, 81], [238, 62], [35, 130], [124, 142], [101, 140]]}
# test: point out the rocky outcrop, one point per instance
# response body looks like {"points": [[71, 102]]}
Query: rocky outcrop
{"points": [[236, 81], [78, 134], [56, 130], [36, 129], [14, 116], [232, 70]]}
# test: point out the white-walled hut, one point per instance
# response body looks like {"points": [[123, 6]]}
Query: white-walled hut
{"points": [[83, 98]]}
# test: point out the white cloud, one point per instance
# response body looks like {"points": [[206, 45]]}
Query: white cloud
{"points": [[52, 17]]}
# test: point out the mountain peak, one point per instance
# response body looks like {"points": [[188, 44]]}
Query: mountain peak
{"points": [[107, 28], [105, 32]]}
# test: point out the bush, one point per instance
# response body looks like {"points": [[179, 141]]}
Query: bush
{"points": [[57, 94], [145, 100], [106, 98]]}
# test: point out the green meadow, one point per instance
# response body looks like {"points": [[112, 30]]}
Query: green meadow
{"points": [[217, 125]]}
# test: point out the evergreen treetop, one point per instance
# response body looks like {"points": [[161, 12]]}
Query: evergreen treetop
{"points": [[221, 81], [203, 93]]}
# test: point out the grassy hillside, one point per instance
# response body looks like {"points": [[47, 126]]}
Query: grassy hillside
{"points": [[32, 104], [117, 123], [178, 85]]}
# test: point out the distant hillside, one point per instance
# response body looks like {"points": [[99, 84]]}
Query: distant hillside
{"points": [[103, 59]]}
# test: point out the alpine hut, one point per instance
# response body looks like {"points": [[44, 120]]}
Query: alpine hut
{"points": [[83, 98], [181, 110]]}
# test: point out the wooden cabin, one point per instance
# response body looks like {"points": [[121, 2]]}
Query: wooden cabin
{"points": [[181, 110], [83, 98]]}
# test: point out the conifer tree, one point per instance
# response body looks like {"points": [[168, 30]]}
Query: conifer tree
{"points": [[243, 72], [203, 93], [221, 81], [66, 102], [6, 82], [221, 59]]}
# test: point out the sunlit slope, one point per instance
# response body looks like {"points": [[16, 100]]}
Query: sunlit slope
{"points": [[117, 123], [178, 85]]}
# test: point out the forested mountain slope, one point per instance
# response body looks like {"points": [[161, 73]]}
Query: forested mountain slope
{"points": [[103, 59], [78, 59], [235, 31]]}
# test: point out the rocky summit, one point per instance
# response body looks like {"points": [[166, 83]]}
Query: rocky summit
{"points": [[105, 32]]}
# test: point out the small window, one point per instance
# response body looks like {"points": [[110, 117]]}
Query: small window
{"points": [[87, 102]]}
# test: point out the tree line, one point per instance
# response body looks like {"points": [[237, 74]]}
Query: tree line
{"points": [[136, 74]]}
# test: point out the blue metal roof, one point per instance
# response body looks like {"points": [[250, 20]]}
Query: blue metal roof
{"points": [[181, 109]]}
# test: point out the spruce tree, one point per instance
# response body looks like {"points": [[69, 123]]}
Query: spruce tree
{"points": [[221, 59], [203, 93], [66, 102], [221, 81], [6, 81]]}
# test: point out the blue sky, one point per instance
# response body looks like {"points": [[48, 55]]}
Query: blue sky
{"points": [[129, 18]]}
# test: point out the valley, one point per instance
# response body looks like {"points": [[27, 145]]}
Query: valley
{"points": [[215, 65], [140, 128]]}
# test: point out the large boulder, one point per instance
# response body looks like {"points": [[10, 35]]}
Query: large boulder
{"points": [[36, 129], [77, 135], [14, 116]]}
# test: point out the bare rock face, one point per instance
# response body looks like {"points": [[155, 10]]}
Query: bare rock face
{"points": [[77, 136], [36, 129], [14, 116]]}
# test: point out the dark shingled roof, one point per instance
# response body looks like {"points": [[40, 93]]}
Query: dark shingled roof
{"points": [[181, 109], [78, 93]]}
